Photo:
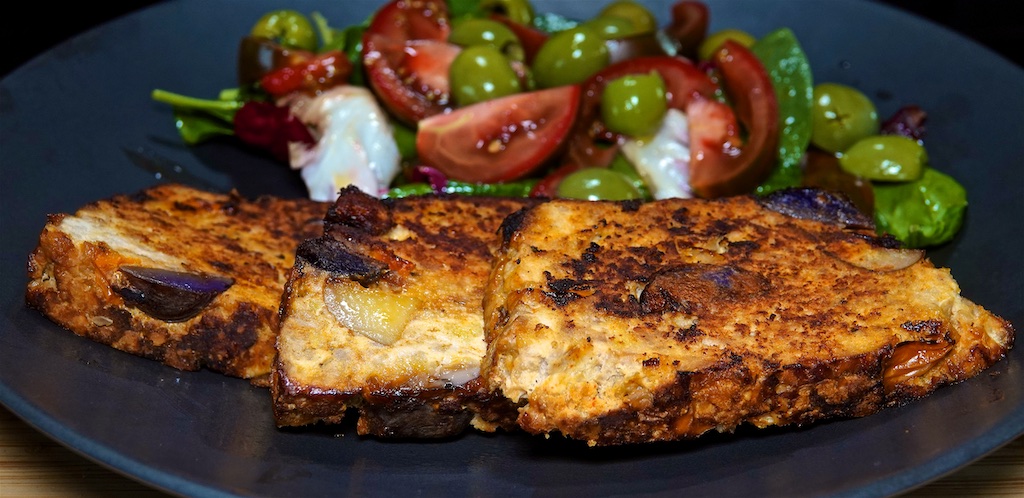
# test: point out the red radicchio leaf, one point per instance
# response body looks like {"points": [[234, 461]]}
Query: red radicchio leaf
{"points": [[433, 176], [270, 127]]}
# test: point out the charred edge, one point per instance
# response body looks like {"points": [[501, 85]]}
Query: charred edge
{"points": [[511, 224], [631, 206], [355, 209], [586, 260], [232, 204], [228, 342], [928, 327], [181, 206], [563, 291], [885, 241], [333, 256]]}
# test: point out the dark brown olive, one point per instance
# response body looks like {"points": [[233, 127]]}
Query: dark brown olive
{"points": [[258, 56]]}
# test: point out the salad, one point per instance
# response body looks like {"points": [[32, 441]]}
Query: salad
{"points": [[490, 97]]}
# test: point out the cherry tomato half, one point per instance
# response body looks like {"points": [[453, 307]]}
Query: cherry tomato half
{"points": [[406, 57], [501, 139]]}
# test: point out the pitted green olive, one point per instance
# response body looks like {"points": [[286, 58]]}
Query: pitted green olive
{"points": [[569, 57], [634, 105], [481, 73], [638, 15], [841, 115], [885, 158], [594, 184]]}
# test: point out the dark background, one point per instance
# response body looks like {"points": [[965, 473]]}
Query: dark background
{"points": [[997, 24]]}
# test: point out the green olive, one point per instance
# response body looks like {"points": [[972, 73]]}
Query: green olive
{"points": [[595, 184], [569, 57], [634, 105], [622, 166], [481, 73], [641, 18], [288, 27], [713, 41], [476, 31], [840, 116], [885, 158], [611, 28], [520, 11]]}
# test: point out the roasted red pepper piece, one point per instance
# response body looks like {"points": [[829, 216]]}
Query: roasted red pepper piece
{"points": [[323, 71]]}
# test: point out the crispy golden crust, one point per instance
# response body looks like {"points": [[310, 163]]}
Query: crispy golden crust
{"points": [[383, 315], [74, 271], [621, 323]]}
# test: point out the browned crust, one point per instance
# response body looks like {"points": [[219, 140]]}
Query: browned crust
{"points": [[450, 236], [250, 241], [766, 348]]}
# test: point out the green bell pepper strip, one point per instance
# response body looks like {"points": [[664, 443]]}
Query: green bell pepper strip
{"points": [[510, 189], [790, 72]]}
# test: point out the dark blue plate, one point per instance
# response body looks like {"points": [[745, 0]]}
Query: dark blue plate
{"points": [[65, 118]]}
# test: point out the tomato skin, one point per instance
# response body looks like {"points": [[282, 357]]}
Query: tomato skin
{"points": [[501, 139], [728, 167], [406, 58]]}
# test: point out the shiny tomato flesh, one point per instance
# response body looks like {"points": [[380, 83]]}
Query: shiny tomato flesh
{"points": [[721, 162], [498, 140], [406, 57]]}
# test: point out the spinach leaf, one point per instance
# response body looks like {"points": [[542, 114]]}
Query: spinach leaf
{"points": [[790, 72], [925, 212]]}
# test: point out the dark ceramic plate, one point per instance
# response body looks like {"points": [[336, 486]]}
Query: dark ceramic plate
{"points": [[68, 115]]}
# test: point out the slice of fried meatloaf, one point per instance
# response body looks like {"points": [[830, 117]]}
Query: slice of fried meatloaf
{"points": [[183, 276], [616, 323], [383, 315]]}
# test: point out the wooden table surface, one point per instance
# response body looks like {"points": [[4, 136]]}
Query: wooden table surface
{"points": [[33, 465]]}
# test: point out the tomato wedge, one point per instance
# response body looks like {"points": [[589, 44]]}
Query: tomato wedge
{"points": [[721, 162], [406, 57], [498, 140]]}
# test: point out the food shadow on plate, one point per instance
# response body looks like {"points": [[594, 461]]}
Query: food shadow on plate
{"points": [[249, 171]]}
